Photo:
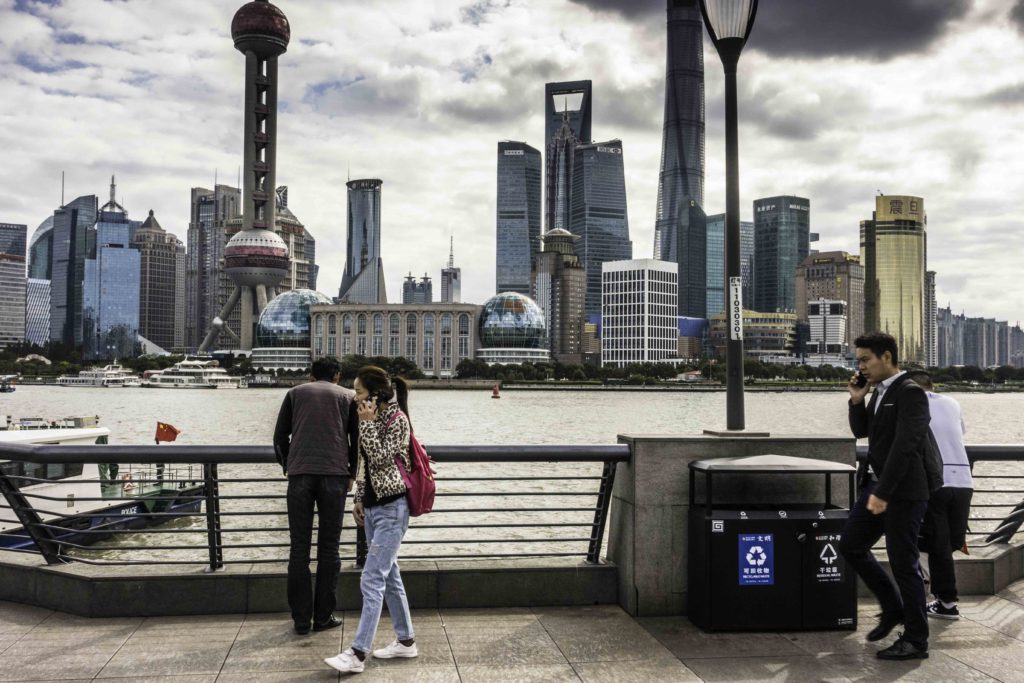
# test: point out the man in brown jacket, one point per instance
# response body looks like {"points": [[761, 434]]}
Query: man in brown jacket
{"points": [[313, 444]]}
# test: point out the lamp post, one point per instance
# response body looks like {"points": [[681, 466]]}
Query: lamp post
{"points": [[729, 23]]}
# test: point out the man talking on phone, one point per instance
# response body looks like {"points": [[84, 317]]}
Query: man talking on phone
{"points": [[894, 488]]}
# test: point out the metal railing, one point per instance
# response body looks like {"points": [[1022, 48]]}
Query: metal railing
{"points": [[991, 496], [178, 508]]}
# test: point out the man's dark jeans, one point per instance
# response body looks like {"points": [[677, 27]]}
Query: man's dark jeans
{"points": [[944, 530], [901, 523], [328, 494]]}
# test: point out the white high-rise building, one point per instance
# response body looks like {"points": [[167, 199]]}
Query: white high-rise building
{"points": [[828, 321], [639, 311]]}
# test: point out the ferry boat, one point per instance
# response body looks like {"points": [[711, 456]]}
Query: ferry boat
{"points": [[107, 376], [81, 501], [193, 374]]}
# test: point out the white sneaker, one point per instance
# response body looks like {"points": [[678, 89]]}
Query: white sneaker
{"points": [[396, 649], [346, 662]]}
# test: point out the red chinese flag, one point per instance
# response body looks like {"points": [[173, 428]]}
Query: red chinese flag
{"points": [[166, 432]]}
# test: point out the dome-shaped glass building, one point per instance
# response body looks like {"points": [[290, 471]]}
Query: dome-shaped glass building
{"points": [[512, 329], [282, 333]]}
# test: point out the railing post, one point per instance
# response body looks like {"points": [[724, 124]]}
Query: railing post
{"points": [[604, 497], [213, 534], [43, 537]]}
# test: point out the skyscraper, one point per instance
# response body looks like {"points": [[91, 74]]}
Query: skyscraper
{"points": [[931, 342], [110, 300], [37, 312], [567, 100], [74, 238], [256, 258], [40, 251], [207, 286], [363, 279], [558, 169], [892, 249], [639, 322], [451, 278], [13, 283], [159, 264], [314, 269], [517, 223], [414, 292], [681, 179], [782, 227], [559, 288], [833, 275], [599, 214], [716, 263]]}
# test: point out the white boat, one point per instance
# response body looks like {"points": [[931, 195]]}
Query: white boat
{"points": [[83, 500], [193, 374], [107, 376]]}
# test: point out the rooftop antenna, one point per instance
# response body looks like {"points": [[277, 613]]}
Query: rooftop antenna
{"points": [[239, 177], [113, 188], [451, 252], [880, 193], [349, 171], [62, 189]]}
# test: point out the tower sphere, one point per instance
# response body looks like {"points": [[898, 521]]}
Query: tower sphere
{"points": [[256, 257], [262, 28]]}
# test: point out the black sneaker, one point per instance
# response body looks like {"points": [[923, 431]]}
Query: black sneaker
{"points": [[903, 649], [939, 611]]}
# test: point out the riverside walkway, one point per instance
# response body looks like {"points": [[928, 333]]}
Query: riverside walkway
{"points": [[600, 643]]}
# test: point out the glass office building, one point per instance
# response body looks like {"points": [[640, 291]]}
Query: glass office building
{"points": [[893, 251], [518, 218], [111, 294], [74, 239], [716, 262], [37, 312], [40, 251], [362, 281], [599, 215], [13, 237], [782, 240], [207, 286], [158, 280]]}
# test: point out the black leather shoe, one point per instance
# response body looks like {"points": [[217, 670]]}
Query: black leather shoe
{"points": [[885, 626], [302, 629], [903, 649], [333, 622]]}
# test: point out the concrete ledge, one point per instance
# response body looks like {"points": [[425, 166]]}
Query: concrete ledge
{"points": [[112, 591], [986, 571]]}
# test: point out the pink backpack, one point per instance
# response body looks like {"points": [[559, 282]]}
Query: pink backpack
{"points": [[419, 480]]}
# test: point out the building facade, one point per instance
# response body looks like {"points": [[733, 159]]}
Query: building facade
{"points": [[363, 279], [568, 100], [716, 262], [207, 286], [518, 219], [559, 287], [639, 319], [828, 320], [764, 334], [451, 279], [13, 283], [781, 242], [37, 312], [414, 292], [160, 262], [833, 275], [110, 312], [931, 341], [893, 248], [599, 216], [437, 337], [74, 239]]}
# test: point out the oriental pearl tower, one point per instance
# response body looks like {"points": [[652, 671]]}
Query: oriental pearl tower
{"points": [[256, 258]]}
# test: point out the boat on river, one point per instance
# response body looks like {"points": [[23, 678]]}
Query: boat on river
{"points": [[192, 374], [81, 501], [108, 376]]}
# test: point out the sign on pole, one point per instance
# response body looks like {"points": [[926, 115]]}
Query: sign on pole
{"points": [[736, 308]]}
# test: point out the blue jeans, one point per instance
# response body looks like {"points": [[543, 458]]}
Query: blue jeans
{"points": [[385, 527]]}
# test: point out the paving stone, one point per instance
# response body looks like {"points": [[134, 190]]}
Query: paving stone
{"points": [[667, 670], [194, 678], [503, 649], [324, 673], [685, 640], [146, 660], [15, 618], [767, 668], [938, 667], [32, 667], [603, 642], [523, 673]]}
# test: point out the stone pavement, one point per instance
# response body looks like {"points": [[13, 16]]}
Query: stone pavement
{"points": [[600, 643]]}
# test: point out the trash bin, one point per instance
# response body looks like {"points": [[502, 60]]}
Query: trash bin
{"points": [[759, 565]]}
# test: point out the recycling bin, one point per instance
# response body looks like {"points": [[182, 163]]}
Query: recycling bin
{"points": [[761, 566]]}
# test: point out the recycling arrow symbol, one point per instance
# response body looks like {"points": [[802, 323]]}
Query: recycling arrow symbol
{"points": [[828, 554], [756, 556]]}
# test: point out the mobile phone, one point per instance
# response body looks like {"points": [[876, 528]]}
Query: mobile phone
{"points": [[860, 380]]}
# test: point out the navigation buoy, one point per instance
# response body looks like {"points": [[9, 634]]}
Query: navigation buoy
{"points": [[494, 392]]}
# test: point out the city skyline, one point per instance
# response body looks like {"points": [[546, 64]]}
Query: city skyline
{"points": [[419, 98]]}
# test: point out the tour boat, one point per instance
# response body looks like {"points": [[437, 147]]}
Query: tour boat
{"points": [[82, 500], [193, 374], [107, 376]]}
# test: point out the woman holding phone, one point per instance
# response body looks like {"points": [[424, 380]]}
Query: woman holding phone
{"points": [[381, 507]]}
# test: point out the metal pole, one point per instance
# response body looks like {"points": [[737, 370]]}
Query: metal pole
{"points": [[215, 543], [734, 347]]}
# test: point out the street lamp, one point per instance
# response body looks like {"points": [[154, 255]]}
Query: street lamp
{"points": [[729, 23]]}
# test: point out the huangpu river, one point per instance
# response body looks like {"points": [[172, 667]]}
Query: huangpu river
{"points": [[450, 417]]}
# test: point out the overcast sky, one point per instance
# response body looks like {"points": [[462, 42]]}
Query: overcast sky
{"points": [[837, 100]]}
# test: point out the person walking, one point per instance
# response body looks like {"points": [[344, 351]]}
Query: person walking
{"points": [[945, 523], [893, 492], [381, 507], [312, 444]]}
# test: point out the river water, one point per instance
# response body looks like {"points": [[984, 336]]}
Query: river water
{"points": [[450, 417]]}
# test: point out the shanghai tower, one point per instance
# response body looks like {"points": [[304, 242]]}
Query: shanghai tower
{"points": [[679, 228]]}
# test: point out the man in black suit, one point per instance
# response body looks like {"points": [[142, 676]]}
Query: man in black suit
{"points": [[894, 490]]}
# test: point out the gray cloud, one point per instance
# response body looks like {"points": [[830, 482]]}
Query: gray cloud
{"points": [[1017, 15], [874, 29], [1011, 94]]}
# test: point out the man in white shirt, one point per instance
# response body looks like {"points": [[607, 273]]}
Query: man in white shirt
{"points": [[945, 523]]}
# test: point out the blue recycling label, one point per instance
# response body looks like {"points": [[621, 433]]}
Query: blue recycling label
{"points": [[757, 559]]}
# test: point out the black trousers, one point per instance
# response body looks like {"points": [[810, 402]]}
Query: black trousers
{"points": [[327, 494], [945, 530], [901, 524]]}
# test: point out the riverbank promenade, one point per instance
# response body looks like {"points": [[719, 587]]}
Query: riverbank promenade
{"points": [[600, 643]]}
